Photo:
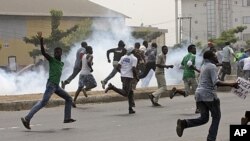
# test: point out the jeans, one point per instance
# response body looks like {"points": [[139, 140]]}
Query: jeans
{"points": [[148, 67], [50, 89], [112, 74], [73, 75], [126, 90], [205, 107], [247, 74], [162, 87]]}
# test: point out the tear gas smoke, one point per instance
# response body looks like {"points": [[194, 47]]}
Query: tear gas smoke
{"points": [[34, 81]]}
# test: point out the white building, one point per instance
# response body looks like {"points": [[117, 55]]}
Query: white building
{"points": [[210, 17]]}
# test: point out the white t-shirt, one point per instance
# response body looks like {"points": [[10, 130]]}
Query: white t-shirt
{"points": [[85, 67], [227, 52], [127, 62], [246, 64]]}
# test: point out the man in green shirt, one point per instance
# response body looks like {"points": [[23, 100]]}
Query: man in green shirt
{"points": [[55, 71], [188, 64]]}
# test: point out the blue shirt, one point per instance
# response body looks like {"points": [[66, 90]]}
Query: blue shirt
{"points": [[206, 90]]}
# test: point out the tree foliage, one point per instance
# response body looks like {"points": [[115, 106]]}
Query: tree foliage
{"points": [[146, 35], [56, 37], [82, 33], [228, 36]]}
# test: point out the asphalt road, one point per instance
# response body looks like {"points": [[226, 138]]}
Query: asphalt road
{"points": [[111, 122]]}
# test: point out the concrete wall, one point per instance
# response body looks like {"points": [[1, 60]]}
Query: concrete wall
{"points": [[197, 9]]}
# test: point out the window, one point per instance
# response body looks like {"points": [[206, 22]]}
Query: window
{"points": [[235, 2], [195, 5], [236, 19], [196, 22], [246, 36], [246, 20], [246, 2], [196, 37], [12, 63], [5, 45]]}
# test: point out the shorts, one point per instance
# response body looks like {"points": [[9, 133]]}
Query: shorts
{"points": [[226, 68], [86, 80]]}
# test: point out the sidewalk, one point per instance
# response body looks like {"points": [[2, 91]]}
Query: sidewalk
{"points": [[25, 102]]}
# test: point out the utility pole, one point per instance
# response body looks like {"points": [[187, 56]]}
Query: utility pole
{"points": [[190, 27], [176, 20]]}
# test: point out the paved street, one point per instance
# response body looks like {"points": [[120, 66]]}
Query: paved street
{"points": [[110, 122]]}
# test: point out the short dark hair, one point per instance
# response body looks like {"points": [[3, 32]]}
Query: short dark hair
{"points": [[58, 48], [163, 47], [154, 45], [208, 54], [84, 44], [227, 43], [137, 45], [190, 47], [88, 48], [145, 43], [121, 44]]}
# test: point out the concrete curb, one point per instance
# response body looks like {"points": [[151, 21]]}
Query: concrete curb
{"points": [[93, 98]]}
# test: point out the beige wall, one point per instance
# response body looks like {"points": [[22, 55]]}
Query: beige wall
{"points": [[17, 47]]}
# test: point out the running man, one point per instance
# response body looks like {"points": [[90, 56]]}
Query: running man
{"points": [[206, 98], [140, 64], [151, 58], [55, 71], [78, 64], [86, 79], [226, 65], [190, 83], [160, 76], [118, 53], [127, 68]]}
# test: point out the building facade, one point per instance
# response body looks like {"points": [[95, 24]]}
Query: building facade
{"points": [[206, 19], [24, 18]]}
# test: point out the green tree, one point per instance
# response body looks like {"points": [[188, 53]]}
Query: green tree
{"points": [[55, 39], [146, 35], [82, 33], [228, 36], [240, 29]]}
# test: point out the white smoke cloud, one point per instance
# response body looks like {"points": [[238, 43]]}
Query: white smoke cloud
{"points": [[101, 40]]}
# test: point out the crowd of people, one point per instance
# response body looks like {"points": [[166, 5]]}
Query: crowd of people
{"points": [[134, 64]]}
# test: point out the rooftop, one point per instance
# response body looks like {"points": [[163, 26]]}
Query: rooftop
{"points": [[75, 8]]}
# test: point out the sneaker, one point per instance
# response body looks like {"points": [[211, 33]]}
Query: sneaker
{"points": [[173, 93], [244, 121], [103, 84], [180, 127], [151, 97], [26, 123], [84, 92], [186, 94], [63, 84], [197, 111], [131, 111], [73, 104], [69, 120], [110, 86], [157, 104]]}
